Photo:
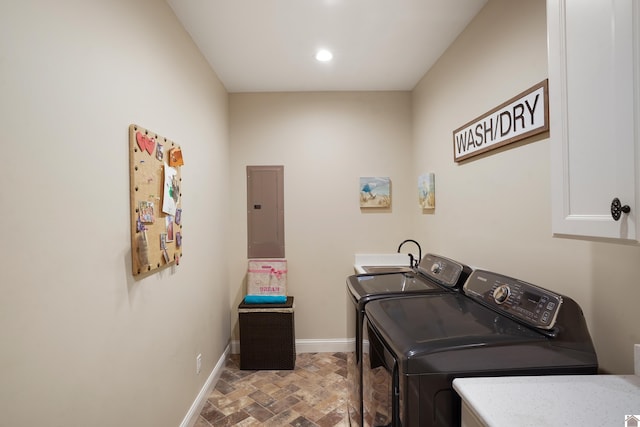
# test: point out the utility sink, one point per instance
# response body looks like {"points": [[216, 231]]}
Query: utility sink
{"points": [[386, 269], [382, 263]]}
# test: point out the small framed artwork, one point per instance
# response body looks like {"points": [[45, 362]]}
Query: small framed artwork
{"points": [[375, 192], [427, 191]]}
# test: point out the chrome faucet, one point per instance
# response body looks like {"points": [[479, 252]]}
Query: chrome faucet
{"points": [[412, 261]]}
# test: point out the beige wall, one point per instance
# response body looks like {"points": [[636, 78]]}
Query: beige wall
{"points": [[326, 142], [494, 211], [82, 342]]}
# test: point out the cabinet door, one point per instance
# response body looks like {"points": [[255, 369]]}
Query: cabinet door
{"points": [[593, 94]]}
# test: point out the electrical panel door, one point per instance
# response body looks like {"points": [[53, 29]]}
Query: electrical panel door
{"points": [[265, 211]]}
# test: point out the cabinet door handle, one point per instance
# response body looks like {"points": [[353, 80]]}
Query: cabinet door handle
{"points": [[617, 209]]}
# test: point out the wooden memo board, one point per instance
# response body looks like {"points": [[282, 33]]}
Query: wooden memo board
{"points": [[156, 234]]}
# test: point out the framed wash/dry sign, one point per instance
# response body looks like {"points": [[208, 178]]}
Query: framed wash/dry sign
{"points": [[375, 192], [522, 116]]}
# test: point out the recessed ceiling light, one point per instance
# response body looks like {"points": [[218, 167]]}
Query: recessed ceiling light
{"points": [[324, 55]]}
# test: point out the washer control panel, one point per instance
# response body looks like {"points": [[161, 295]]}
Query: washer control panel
{"points": [[532, 304], [442, 270]]}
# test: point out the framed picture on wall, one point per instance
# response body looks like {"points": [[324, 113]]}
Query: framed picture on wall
{"points": [[427, 191], [375, 192]]}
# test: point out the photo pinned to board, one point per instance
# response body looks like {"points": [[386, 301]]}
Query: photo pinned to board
{"points": [[169, 222], [145, 212], [160, 152]]}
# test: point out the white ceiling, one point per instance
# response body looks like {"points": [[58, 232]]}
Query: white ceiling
{"points": [[269, 45]]}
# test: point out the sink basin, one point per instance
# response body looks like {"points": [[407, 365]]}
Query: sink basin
{"points": [[386, 269]]}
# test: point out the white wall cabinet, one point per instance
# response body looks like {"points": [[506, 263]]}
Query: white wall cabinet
{"points": [[593, 103]]}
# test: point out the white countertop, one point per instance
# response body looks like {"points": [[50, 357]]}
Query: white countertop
{"points": [[565, 400]]}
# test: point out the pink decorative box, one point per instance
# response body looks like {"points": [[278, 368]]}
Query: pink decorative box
{"points": [[267, 277]]}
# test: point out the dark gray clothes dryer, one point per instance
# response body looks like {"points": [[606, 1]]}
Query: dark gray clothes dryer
{"points": [[497, 326]]}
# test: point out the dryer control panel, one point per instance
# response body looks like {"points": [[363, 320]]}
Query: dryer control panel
{"points": [[443, 270], [532, 304]]}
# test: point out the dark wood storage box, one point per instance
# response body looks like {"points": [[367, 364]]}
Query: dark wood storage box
{"points": [[267, 336]]}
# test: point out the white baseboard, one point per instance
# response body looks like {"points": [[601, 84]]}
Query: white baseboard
{"points": [[197, 405], [331, 345], [325, 345]]}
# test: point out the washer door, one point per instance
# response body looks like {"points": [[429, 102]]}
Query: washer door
{"points": [[380, 391]]}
